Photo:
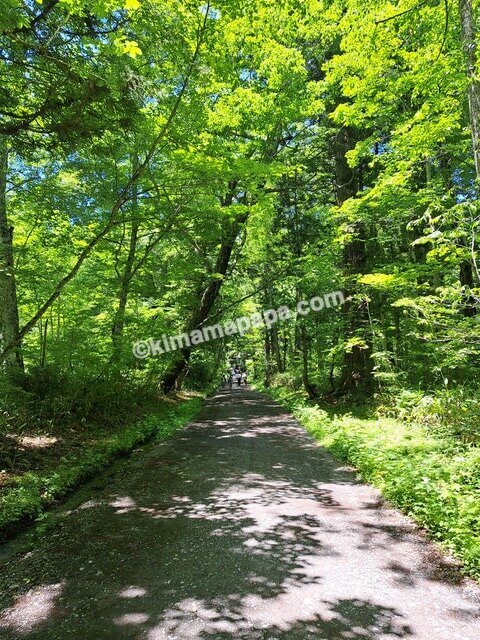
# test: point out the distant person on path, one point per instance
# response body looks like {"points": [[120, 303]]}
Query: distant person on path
{"points": [[244, 377]]}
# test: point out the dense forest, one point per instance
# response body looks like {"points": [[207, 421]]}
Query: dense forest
{"points": [[167, 166]]}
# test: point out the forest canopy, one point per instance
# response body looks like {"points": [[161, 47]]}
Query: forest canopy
{"points": [[164, 161], [169, 165]]}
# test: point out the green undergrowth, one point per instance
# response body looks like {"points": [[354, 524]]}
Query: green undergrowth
{"points": [[35, 492], [432, 477]]}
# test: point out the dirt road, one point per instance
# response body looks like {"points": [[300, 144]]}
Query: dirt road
{"points": [[239, 527]]}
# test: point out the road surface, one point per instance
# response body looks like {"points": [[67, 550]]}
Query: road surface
{"points": [[239, 527]]}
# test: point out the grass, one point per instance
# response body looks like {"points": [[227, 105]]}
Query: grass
{"points": [[32, 493], [432, 477]]}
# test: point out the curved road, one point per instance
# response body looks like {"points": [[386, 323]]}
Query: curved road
{"points": [[239, 527]]}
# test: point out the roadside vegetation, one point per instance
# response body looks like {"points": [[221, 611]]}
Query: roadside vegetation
{"points": [[419, 462], [48, 451]]}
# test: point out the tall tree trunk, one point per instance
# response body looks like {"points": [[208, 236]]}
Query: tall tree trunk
{"points": [[128, 272], [469, 39], [119, 319], [276, 349], [269, 303], [268, 359], [357, 366], [43, 345], [307, 385], [285, 341], [208, 297], [9, 317], [469, 308], [467, 22], [301, 347]]}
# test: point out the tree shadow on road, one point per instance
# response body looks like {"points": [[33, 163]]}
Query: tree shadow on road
{"points": [[236, 528]]}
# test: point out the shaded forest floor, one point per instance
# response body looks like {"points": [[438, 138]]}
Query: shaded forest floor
{"points": [[44, 458]]}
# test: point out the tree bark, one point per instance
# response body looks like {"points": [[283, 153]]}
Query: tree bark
{"points": [[357, 366], [208, 297], [467, 23], [469, 308], [119, 320], [9, 316], [268, 303], [268, 359], [469, 40], [276, 349], [307, 385], [128, 273]]}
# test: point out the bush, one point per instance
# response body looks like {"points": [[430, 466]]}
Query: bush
{"points": [[450, 412], [287, 380], [36, 491], [62, 399]]}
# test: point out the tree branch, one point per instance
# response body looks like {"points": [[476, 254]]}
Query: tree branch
{"points": [[402, 13], [121, 199]]}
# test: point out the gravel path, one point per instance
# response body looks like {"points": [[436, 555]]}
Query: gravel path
{"points": [[238, 527]]}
